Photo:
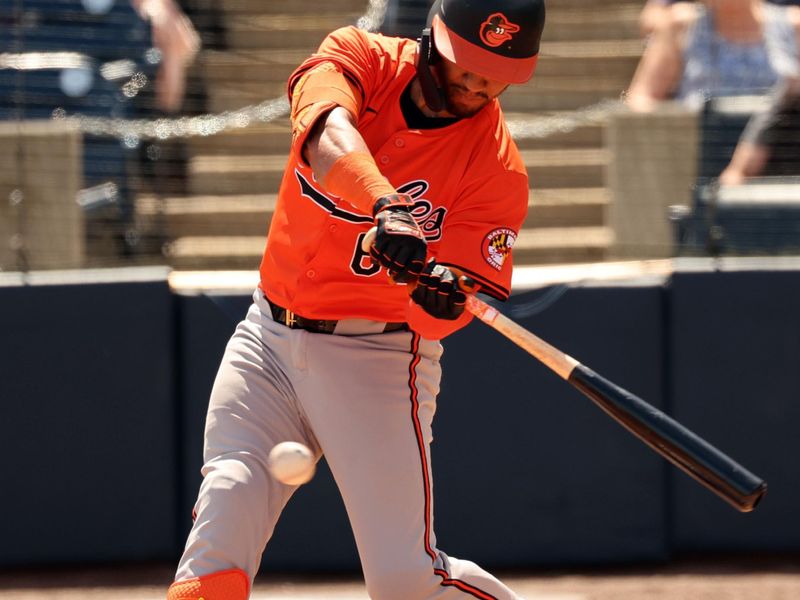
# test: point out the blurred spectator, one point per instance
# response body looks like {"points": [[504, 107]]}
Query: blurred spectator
{"points": [[654, 13], [98, 58], [716, 47], [162, 164], [770, 144], [176, 38]]}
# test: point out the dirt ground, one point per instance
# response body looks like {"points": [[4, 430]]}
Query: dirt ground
{"points": [[740, 579]]}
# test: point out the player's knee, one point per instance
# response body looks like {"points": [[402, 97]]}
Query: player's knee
{"points": [[402, 584], [238, 482], [232, 584], [234, 471]]}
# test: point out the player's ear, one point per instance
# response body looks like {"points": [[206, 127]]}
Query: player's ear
{"points": [[426, 43]]}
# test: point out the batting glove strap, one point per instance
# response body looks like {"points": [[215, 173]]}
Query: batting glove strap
{"points": [[400, 245], [438, 293], [392, 200]]}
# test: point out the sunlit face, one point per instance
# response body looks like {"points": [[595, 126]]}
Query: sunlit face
{"points": [[466, 93]]}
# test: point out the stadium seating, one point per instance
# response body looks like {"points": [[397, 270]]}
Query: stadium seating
{"points": [[89, 59], [588, 58], [760, 217]]}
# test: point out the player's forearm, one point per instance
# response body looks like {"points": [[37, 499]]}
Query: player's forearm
{"points": [[748, 160], [333, 136], [343, 164]]}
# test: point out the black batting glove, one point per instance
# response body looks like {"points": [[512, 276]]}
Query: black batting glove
{"points": [[400, 245], [438, 292]]}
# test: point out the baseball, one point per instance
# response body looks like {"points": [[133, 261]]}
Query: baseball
{"points": [[291, 463]]}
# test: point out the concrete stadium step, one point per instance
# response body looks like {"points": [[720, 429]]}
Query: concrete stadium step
{"points": [[616, 21], [553, 129], [283, 31], [575, 59], [207, 215], [233, 96], [562, 245], [582, 4], [566, 168], [229, 175], [262, 174], [266, 138], [249, 7], [567, 207], [218, 67], [216, 252], [570, 95], [592, 48]]}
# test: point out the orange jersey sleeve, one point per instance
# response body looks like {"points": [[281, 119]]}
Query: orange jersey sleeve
{"points": [[317, 91], [342, 72], [477, 241]]}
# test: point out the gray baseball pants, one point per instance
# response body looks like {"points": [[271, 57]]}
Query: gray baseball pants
{"points": [[367, 403]]}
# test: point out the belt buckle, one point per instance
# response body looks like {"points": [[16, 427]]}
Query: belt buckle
{"points": [[289, 319]]}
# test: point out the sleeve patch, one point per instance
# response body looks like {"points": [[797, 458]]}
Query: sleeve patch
{"points": [[496, 246]]}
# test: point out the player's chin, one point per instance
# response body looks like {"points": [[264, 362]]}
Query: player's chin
{"points": [[465, 107]]}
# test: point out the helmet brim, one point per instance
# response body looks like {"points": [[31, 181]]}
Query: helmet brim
{"points": [[475, 59]]}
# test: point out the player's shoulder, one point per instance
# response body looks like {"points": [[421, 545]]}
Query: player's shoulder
{"points": [[793, 17], [677, 19], [396, 48], [498, 141]]}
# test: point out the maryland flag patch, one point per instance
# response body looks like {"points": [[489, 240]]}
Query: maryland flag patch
{"points": [[497, 246]]}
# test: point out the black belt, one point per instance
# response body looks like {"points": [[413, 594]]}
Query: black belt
{"points": [[294, 321]]}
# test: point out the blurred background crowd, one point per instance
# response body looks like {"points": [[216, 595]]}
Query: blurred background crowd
{"points": [[154, 131]]}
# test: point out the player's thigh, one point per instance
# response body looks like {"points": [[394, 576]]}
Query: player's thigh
{"points": [[371, 403], [252, 405]]}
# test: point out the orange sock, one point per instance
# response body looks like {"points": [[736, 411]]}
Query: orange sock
{"points": [[222, 585]]}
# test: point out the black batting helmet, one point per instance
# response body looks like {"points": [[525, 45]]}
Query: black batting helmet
{"points": [[498, 39]]}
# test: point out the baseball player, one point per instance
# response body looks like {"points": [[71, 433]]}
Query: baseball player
{"points": [[335, 353]]}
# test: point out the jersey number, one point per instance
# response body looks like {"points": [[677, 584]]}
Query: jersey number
{"points": [[362, 264]]}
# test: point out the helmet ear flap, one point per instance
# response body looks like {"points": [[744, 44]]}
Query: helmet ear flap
{"points": [[428, 56], [429, 47]]}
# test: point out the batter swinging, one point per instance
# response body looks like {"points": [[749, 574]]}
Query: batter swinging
{"points": [[407, 136]]}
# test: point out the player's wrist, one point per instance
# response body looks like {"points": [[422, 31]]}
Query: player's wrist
{"points": [[439, 291], [356, 178], [392, 201]]}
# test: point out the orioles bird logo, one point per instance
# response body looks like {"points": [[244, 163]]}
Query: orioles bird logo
{"points": [[496, 30]]}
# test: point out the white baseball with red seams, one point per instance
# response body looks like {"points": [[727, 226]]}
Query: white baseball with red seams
{"points": [[291, 463]]}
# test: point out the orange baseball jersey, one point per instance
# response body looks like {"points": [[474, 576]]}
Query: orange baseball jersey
{"points": [[467, 179]]}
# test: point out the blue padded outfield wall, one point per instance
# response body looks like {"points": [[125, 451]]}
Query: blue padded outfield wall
{"points": [[87, 422], [735, 376], [104, 387]]}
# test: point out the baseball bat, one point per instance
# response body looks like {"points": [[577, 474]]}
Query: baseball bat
{"points": [[686, 450]]}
